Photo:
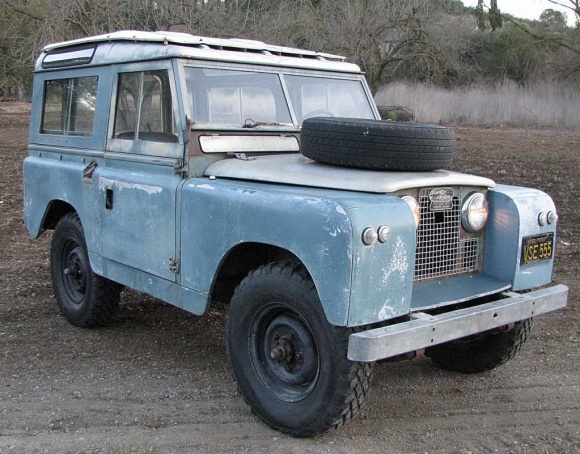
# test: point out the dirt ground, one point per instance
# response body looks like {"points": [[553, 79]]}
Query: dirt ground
{"points": [[156, 380]]}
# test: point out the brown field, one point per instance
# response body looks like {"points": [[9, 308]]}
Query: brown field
{"points": [[156, 380]]}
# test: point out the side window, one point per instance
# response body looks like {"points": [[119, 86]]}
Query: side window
{"points": [[69, 106], [144, 109]]}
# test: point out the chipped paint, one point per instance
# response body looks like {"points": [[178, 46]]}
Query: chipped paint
{"points": [[105, 183], [399, 262], [387, 311], [334, 231], [203, 186]]}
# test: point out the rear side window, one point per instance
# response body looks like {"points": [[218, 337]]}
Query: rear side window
{"points": [[69, 106], [144, 109]]}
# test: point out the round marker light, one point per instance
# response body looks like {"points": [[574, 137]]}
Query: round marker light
{"points": [[414, 205], [383, 233], [552, 217], [542, 218], [474, 212], [369, 236]]}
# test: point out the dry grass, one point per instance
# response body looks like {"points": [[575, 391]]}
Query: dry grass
{"points": [[507, 104]]}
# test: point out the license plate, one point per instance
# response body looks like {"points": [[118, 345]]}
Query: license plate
{"points": [[537, 248]]}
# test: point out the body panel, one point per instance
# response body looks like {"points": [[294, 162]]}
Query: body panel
{"points": [[514, 215], [219, 215], [296, 169]]}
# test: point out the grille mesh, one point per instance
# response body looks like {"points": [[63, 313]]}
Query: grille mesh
{"points": [[440, 249]]}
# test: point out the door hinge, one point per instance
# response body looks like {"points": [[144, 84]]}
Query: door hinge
{"points": [[180, 168], [174, 265]]}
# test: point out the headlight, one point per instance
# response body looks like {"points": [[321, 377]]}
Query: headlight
{"points": [[474, 212], [414, 205]]}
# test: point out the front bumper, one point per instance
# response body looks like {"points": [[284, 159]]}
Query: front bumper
{"points": [[424, 330]]}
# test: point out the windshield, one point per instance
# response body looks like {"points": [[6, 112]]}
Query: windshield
{"points": [[231, 97], [325, 97], [252, 99]]}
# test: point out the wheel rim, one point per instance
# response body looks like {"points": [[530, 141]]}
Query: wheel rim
{"points": [[284, 353], [74, 272]]}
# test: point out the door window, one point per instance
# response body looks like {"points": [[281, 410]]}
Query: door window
{"points": [[144, 109]]}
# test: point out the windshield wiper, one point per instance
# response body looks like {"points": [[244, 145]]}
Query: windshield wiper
{"points": [[249, 123]]}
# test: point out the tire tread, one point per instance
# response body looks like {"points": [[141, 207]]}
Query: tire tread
{"points": [[354, 379], [377, 145]]}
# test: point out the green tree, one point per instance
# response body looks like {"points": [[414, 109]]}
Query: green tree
{"points": [[516, 55], [495, 16], [553, 20], [480, 16]]}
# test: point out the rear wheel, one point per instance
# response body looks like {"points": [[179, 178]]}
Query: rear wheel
{"points": [[481, 352], [85, 299], [289, 363]]}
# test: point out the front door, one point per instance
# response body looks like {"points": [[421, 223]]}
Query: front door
{"points": [[138, 184]]}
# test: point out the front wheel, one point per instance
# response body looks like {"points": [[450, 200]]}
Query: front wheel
{"points": [[85, 299], [481, 352], [289, 363]]}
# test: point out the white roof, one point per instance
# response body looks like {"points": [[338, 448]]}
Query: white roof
{"points": [[161, 45], [191, 40]]}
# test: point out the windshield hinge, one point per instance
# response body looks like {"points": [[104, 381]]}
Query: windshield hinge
{"points": [[179, 167], [243, 157]]}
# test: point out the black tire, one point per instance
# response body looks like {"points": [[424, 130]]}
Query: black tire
{"points": [[377, 145], [85, 299], [481, 352], [289, 363]]}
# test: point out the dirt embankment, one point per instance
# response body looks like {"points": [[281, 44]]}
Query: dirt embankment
{"points": [[156, 379]]}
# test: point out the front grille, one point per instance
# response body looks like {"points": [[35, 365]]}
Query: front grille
{"points": [[440, 249]]}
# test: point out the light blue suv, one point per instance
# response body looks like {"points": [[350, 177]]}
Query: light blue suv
{"points": [[198, 169]]}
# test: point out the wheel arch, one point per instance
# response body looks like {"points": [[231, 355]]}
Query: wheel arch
{"points": [[53, 212], [239, 261]]}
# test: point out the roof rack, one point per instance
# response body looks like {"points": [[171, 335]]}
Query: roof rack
{"points": [[200, 42]]}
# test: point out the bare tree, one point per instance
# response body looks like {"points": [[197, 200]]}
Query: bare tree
{"points": [[382, 37]]}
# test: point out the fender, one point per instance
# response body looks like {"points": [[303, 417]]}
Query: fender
{"points": [[514, 215], [357, 284]]}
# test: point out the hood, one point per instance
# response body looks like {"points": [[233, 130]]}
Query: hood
{"points": [[295, 169]]}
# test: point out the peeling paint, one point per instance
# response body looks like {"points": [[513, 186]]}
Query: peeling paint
{"points": [[203, 186], [105, 183], [387, 311], [334, 231], [399, 262]]}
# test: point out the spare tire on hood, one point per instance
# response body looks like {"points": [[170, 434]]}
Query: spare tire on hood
{"points": [[375, 144]]}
